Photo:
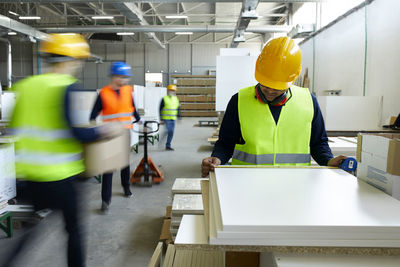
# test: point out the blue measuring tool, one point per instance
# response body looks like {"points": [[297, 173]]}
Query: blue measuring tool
{"points": [[349, 164]]}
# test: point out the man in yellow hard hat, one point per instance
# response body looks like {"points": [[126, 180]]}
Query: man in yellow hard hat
{"points": [[273, 122], [169, 112], [48, 151]]}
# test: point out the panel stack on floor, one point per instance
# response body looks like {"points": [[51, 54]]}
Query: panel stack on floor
{"points": [[186, 193], [196, 94], [294, 207], [184, 204]]}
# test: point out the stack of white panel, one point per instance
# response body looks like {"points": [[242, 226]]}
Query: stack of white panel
{"points": [[7, 170], [184, 204], [299, 207], [187, 186]]}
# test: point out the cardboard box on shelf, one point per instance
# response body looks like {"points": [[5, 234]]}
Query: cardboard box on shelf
{"points": [[379, 161], [107, 154]]}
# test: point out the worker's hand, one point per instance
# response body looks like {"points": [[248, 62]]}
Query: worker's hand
{"points": [[208, 164], [335, 162], [162, 122]]}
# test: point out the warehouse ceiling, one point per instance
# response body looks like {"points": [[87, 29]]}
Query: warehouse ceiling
{"points": [[211, 21]]}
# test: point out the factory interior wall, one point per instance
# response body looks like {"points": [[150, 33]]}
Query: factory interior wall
{"points": [[358, 55]]}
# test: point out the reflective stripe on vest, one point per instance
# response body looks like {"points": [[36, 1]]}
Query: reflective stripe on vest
{"points": [[117, 107], [117, 115], [42, 158], [269, 158], [42, 134], [170, 109], [286, 142], [46, 149], [253, 159], [292, 158]]}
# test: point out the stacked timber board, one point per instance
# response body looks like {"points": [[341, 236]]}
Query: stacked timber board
{"points": [[194, 258], [294, 207], [196, 94], [187, 199]]}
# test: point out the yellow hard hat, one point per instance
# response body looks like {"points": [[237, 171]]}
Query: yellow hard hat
{"points": [[70, 45], [279, 63], [172, 87]]}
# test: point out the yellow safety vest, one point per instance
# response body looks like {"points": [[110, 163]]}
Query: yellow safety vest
{"points": [[47, 150], [268, 143], [170, 109]]}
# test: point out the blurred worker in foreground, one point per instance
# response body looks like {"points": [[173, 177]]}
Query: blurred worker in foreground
{"points": [[274, 122], [169, 111], [48, 151], [115, 102]]}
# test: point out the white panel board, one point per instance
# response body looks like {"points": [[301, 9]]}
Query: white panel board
{"points": [[7, 105], [138, 96], [339, 57], [192, 230], [233, 74], [351, 113], [152, 100], [300, 206], [383, 62], [7, 170]]}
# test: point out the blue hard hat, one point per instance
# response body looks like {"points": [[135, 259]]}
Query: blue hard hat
{"points": [[120, 68]]}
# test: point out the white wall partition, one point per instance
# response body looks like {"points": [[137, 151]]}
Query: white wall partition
{"points": [[359, 66], [383, 57], [339, 57]]}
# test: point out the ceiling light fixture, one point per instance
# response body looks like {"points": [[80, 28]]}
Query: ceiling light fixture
{"points": [[13, 13], [247, 33], [29, 17], [67, 33], [183, 33], [176, 17], [102, 17], [12, 33], [125, 33]]}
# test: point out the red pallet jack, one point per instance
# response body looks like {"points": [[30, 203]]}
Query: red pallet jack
{"points": [[146, 167]]}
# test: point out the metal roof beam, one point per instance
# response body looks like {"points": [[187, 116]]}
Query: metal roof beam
{"points": [[168, 28], [247, 14], [17, 26], [135, 14]]}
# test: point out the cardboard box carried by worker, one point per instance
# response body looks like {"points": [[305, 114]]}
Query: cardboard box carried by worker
{"points": [[379, 161], [106, 155]]}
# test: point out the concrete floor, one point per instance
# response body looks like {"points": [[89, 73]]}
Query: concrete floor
{"points": [[128, 235]]}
